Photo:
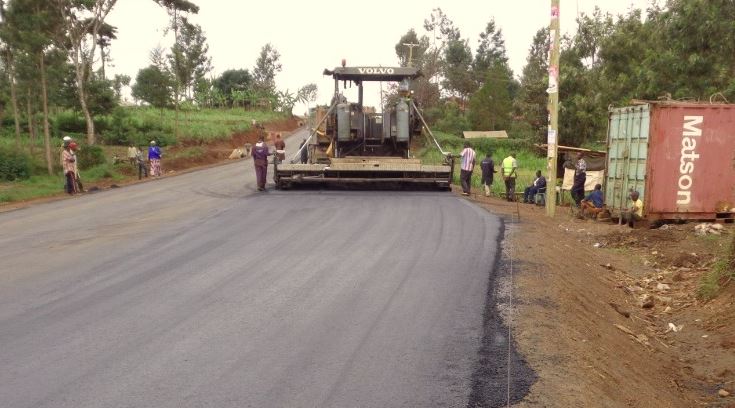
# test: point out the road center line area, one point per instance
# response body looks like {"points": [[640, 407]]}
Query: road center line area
{"points": [[193, 291]]}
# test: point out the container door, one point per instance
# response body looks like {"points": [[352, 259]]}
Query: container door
{"points": [[627, 155]]}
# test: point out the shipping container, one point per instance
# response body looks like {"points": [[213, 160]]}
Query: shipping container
{"points": [[680, 157]]}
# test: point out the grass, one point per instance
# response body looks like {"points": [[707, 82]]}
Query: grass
{"points": [[47, 186], [141, 124], [721, 274], [204, 124], [528, 161]]}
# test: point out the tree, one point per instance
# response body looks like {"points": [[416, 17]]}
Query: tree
{"points": [[457, 69], [118, 83], [490, 52], [233, 80], [492, 104], [176, 9], [7, 55], [308, 94], [153, 86], [266, 67], [532, 98], [188, 58], [286, 101], [106, 34], [35, 24], [82, 22], [442, 31]]}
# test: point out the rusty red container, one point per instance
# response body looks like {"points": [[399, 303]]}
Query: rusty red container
{"points": [[680, 157]]}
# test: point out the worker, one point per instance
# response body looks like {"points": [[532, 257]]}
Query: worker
{"points": [[580, 178], [78, 186], [468, 165], [487, 165], [68, 162], [304, 152], [594, 203], [538, 187], [132, 154], [635, 212], [154, 157], [260, 155], [140, 161], [509, 171], [280, 146]]}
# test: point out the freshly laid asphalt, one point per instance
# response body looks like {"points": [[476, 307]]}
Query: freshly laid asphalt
{"points": [[197, 291]]}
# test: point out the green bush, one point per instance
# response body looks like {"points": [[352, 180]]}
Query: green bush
{"points": [[14, 165], [69, 122], [162, 138], [90, 156]]}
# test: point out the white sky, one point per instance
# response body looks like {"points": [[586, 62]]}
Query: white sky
{"points": [[313, 35]]}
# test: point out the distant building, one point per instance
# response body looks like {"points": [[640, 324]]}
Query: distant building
{"points": [[491, 134]]}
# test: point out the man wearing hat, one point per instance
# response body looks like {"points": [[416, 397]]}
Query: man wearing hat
{"points": [[154, 157], [68, 163], [260, 153]]}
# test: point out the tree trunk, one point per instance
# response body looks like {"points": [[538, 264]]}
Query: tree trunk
{"points": [[176, 107], [176, 75], [102, 58], [31, 124], [46, 132], [80, 70], [16, 114]]}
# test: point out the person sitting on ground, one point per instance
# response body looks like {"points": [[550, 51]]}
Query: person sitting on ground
{"points": [[538, 187], [594, 203], [635, 212]]}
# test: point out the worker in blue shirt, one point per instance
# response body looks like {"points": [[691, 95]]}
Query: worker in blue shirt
{"points": [[154, 158], [594, 203]]}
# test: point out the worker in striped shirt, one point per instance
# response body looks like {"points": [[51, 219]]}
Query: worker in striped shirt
{"points": [[468, 165]]}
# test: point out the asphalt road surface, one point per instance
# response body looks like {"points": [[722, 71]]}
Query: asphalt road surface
{"points": [[197, 291]]}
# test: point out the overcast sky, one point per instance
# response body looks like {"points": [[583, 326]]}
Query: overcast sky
{"points": [[313, 35]]}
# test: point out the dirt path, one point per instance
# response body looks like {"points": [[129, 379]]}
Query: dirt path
{"points": [[575, 283]]}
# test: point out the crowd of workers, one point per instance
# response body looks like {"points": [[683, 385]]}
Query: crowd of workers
{"points": [[592, 205], [70, 163]]}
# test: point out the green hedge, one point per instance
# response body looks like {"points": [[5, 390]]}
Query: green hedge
{"points": [[14, 165], [90, 156]]}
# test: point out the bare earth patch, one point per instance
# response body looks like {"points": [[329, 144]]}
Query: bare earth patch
{"points": [[609, 317]]}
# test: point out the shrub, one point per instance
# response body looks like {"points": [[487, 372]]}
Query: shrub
{"points": [[90, 156], [162, 138], [69, 122], [14, 165]]}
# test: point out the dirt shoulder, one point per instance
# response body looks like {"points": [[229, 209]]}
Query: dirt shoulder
{"points": [[580, 324]]}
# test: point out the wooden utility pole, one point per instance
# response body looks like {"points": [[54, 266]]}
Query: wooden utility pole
{"points": [[410, 52], [553, 91]]}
